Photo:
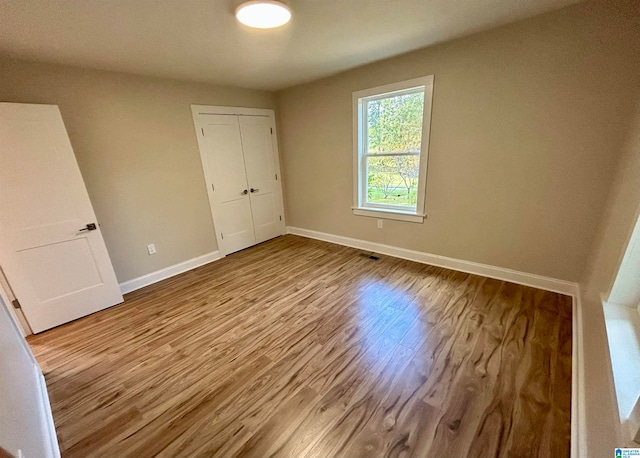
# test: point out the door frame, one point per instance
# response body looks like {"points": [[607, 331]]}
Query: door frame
{"points": [[200, 113], [7, 297]]}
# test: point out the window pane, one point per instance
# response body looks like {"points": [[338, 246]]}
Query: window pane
{"points": [[393, 180], [394, 124]]}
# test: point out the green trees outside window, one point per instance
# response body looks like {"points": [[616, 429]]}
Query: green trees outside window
{"points": [[394, 135]]}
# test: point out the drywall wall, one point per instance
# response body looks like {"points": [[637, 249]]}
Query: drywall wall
{"points": [[617, 221], [527, 124], [615, 228], [136, 147], [26, 423]]}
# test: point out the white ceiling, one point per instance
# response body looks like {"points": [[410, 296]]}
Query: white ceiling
{"points": [[201, 40]]}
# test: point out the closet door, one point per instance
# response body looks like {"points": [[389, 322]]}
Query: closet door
{"points": [[224, 162], [257, 144], [239, 153]]}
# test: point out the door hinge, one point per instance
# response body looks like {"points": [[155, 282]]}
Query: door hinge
{"points": [[213, 188], [222, 235], [271, 129], [16, 304], [276, 177], [202, 129], [280, 217]]}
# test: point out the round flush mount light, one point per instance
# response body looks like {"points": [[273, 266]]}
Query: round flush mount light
{"points": [[263, 14]]}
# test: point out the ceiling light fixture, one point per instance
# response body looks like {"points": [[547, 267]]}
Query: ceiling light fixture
{"points": [[263, 14]]}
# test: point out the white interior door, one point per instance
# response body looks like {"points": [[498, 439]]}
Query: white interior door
{"points": [[224, 161], [239, 152], [51, 247], [266, 205]]}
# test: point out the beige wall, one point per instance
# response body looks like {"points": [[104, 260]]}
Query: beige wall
{"points": [[528, 120], [530, 129], [617, 222], [616, 225], [136, 147]]}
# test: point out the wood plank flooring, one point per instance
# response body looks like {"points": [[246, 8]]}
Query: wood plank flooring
{"points": [[300, 348]]}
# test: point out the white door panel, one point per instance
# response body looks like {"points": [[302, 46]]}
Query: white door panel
{"points": [[266, 217], [226, 166], [258, 152], [49, 281], [226, 162], [261, 177], [237, 225], [30, 178], [58, 272], [239, 152]]}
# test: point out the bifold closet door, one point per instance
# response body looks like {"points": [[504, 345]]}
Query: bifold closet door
{"points": [[261, 176], [231, 196], [239, 153]]}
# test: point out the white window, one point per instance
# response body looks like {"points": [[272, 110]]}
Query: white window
{"points": [[391, 142]]}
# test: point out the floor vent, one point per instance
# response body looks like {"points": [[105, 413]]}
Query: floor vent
{"points": [[370, 256]]}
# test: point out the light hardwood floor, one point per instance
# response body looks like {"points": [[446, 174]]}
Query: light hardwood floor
{"points": [[299, 348]]}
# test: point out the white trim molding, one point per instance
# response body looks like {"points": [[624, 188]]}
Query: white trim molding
{"points": [[168, 272], [578, 401], [46, 416], [219, 110], [499, 273], [360, 100], [389, 214]]}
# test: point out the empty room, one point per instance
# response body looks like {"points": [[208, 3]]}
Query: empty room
{"points": [[319, 228]]}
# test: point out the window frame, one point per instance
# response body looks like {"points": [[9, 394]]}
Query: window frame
{"points": [[360, 99]]}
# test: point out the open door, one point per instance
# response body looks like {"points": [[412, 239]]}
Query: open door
{"points": [[51, 248]]}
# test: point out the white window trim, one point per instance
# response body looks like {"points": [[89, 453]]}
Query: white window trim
{"points": [[401, 214]]}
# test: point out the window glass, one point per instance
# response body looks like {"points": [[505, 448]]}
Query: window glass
{"points": [[394, 124], [390, 153]]}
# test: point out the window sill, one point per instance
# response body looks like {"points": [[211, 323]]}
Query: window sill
{"points": [[623, 333], [389, 214]]}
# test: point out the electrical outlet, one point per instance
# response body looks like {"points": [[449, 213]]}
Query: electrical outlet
{"points": [[151, 248], [380, 224]]}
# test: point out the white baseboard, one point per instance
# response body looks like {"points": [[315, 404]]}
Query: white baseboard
{"points": [[168, 272], [499, 273], [46, 417], [578, 400]]}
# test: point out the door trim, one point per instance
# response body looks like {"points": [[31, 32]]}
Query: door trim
{"points": [[18, 317], [200, 113]]}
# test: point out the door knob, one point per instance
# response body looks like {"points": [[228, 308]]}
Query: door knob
{"points": [[89, 227], [254, 190], [245, 192]]}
